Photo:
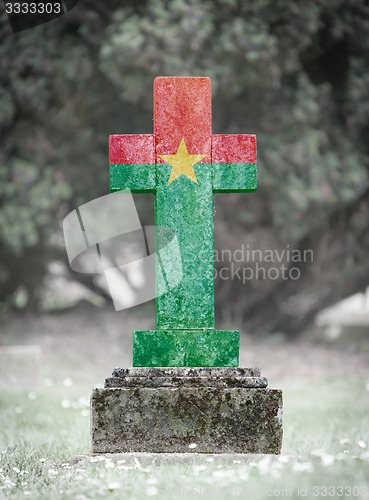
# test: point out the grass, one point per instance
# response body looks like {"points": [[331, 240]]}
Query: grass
{"points": [[325, 451]]}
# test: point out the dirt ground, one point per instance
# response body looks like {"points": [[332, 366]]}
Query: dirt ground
{"points": [[86, 343]]}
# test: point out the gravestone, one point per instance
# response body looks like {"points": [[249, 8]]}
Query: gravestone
{"points": [[185, 387]]}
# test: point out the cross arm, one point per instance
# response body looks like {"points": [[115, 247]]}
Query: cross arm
{"points": [[234, 163], [132, 163]]}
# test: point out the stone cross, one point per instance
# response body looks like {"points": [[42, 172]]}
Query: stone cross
{"points": [[183, 164]]}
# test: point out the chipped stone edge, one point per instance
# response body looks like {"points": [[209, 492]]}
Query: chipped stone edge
{"points": [[172, 381]]}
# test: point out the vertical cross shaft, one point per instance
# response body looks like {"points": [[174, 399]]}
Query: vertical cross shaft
{"points": [[185, 205]]}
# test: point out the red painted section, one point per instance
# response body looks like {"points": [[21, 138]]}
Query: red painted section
{"points": [[182, 108], [132, 149], [234, 148]]}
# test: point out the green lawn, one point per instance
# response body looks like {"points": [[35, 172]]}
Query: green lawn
{"points": [[325, 451]]}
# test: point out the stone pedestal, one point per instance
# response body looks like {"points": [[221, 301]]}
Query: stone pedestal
{"points": [[165, 410]]}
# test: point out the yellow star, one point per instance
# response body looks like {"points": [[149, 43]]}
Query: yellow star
{"points": [[182, 163]]}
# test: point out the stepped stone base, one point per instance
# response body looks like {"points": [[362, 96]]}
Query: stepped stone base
{"points": [[169, 410]]}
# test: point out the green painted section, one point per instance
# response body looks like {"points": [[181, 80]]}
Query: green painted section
{"points": [[138, 178], [185, 334], [186, 348], [234, 177], [187, 207], [168, 262]]}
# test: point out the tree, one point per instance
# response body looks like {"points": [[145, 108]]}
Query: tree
{"points": [[296, 75]]}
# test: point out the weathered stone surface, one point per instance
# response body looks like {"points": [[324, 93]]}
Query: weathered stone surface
{"points": [[217, 420], [186, 377], [198, 371], [215, 348], [255, 382]]}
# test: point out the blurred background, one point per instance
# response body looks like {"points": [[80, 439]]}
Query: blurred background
{"points": [[294, 73]]}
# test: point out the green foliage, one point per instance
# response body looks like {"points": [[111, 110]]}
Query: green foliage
{"points": [[266, 61], [31, 200], [294, 73]]}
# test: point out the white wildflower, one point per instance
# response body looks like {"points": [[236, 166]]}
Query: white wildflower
{"points": [[152, 491], [114, 485], [264, 464], [303, 467], [327, 460], [83, 401], [243, 474], [318, 453], [192, 446], [67, 382], [275, 473], [199, 467], [228, 474]]}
